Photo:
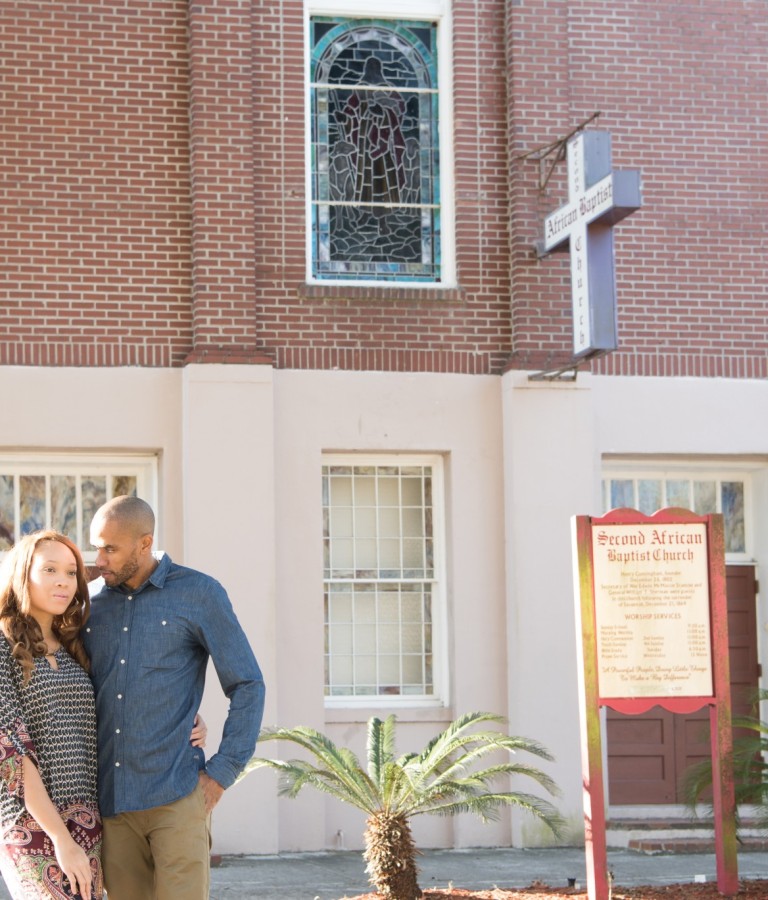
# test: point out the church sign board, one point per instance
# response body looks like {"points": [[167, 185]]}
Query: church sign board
{"points": [[652, 610], [653, 621], [598, 197]]}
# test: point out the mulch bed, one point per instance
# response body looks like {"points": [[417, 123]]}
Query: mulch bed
{"points": [[756, 889]]}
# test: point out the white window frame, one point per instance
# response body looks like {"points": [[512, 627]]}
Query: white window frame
{"points": [[703, 470], [439, 697], [419, 10], [143, 466]]}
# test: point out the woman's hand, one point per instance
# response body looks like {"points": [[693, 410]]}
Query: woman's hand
{"points": [[199, 732], [74, 864], [71, 857]]}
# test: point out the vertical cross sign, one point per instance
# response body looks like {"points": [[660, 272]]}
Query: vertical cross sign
{"points": [[598, 198]]}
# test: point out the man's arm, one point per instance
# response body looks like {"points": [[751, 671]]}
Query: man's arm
{"points": [[242, 682]]}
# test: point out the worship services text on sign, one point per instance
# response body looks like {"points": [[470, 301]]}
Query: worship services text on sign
{"points": [[598, 198], [652, 610]]}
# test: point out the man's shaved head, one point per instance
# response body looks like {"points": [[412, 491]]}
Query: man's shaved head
{"points": [[129, 513]]}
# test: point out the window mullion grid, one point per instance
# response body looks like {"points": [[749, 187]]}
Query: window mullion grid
{"points": [[400, 546], [79, 524], [16, 507], [376, 530], [378, 598], [401, 575], [48, 521], [377, 619], [373, 669]]}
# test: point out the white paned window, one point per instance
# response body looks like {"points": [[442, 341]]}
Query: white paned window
{"points": [[63, 491], [702, 491], [382, 580]]}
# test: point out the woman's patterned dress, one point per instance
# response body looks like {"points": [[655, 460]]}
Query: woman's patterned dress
{"points": [[53, 721]]}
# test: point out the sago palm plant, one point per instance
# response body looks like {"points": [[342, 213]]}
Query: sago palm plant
{"points": [[451, 775], [750, 770]]}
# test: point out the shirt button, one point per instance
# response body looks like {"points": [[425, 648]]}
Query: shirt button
{"points": [[88, 628], [125, 628], [117, 731], [130, 596], [122, 662], [117, 765], [119, 696]]}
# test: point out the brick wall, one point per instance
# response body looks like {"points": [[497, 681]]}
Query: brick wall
{"points": [[114, 115], [94, 183], [681, 86]]}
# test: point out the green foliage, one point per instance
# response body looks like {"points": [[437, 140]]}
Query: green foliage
{"points": [[449, 776], [750, 770]]}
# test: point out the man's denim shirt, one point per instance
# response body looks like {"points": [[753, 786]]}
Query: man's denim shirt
{"points": [[149, 650]]}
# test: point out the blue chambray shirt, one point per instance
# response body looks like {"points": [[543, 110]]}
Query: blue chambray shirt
{"points": [[149, 651]]}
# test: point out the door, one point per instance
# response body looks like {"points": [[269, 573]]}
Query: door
{"points": [[648, 753]]}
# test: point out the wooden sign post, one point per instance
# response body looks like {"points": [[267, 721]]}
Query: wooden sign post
{"points": [[651, 602]]}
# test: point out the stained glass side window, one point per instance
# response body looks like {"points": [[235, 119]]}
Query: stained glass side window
{"points": [[700, 494], [374, 154], [62, 496], [732, 505]]}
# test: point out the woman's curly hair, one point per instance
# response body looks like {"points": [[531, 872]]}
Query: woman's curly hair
{"points": [[16, 621]]}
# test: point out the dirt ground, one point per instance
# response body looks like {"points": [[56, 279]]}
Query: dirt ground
{"points": [[755, 889]]}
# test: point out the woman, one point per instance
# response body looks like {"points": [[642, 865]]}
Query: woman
{"points": [[50, 827]]}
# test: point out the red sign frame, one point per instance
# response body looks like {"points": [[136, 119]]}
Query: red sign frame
{"points": [[719, 701]]}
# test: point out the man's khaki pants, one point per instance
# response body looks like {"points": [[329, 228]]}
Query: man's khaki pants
{"points": [[159, 854]]}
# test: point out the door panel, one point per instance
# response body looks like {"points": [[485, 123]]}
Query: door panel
{"points": [[647, 754], [640, 757]]}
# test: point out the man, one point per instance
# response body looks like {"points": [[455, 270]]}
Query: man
{"points": [[152, 629]]}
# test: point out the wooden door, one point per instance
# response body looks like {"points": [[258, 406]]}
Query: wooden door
{"points": [[648, 753]]}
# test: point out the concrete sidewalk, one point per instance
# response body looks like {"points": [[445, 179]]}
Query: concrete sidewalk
{"points": [[330, 876]]}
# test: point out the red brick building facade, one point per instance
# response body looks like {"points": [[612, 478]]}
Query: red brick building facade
{"points": [[154, 203], [154, 241]]}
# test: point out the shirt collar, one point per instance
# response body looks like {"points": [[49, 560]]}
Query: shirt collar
{"points": [[156, 579]]}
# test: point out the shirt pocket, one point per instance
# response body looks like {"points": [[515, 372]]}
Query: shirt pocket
{"points": [[166, 644]]}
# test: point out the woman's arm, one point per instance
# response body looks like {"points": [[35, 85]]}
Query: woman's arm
{"points": [[70, 855], [199, 732]]}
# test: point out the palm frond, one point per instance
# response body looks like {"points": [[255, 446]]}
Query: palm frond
{"points": [[295, 774], [381, 747], [396, 787], [437, 748], [443, 746], [339, 763], [468, 749], [482, 778], [488, 805], [440, 753]]}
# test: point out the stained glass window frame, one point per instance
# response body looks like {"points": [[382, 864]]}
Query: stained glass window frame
{"points": [[367, 580], [703, 490], [63, 490], [434, 268]]}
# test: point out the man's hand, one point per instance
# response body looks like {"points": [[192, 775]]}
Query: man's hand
{"points": [[212, 791]]}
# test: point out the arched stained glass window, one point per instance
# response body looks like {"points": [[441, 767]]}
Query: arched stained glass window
{"points": [[375, 161]]}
